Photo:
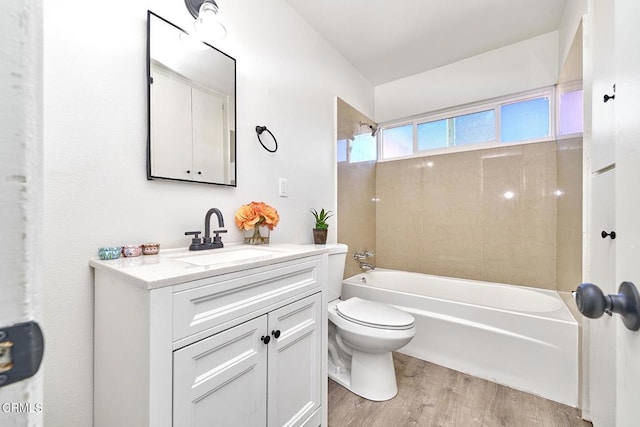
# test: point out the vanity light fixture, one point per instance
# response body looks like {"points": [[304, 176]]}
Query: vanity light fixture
{"points": [[207, 25]]}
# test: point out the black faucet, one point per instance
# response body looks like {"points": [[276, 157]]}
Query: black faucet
{"points": [[207, 242]]}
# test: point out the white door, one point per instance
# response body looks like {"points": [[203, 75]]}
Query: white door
{"points": [[615, 352], [295, 362], [21, 198], [627, 143], [222, 380], [602, 263]]}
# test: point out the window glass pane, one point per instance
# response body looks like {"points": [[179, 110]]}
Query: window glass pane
{"points": [[570, 116], [474, 128], [342, 150], [397, 142], [363, 148], [433, 135], [524, 120]]}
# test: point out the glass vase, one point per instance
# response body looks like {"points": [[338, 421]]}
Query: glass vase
{"points": [[257, 236]]}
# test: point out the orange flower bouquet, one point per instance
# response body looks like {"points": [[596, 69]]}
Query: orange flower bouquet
{"points": [[257, 219]]}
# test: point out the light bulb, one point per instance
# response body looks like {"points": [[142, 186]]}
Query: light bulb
{"points": [[207, 25]]}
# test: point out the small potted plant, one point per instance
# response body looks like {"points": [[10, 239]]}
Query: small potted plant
{"points": [[320, 230]]}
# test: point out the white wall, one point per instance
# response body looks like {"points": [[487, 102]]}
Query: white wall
{"points": [[96, 192], [519, 67], [571, 19], [21, 189]]}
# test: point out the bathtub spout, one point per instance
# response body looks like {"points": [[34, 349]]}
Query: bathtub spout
{"points": [[366, 266]]}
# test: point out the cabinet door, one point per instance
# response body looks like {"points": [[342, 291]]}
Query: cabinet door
{"points": [[295, 367], [171, 141], [221, 380], [210, 148]]}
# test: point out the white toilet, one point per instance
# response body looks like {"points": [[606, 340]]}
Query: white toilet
{"points": [[362, 335]]}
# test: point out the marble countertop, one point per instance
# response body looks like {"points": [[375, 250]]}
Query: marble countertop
{"points": [[174, 266]]}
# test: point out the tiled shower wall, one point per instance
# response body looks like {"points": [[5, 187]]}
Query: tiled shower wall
{"points": [[356, 210], [511, 214]]}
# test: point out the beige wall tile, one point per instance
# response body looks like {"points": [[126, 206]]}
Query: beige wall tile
{"points": [[569, 259], [356, 216], [356, 208], [452, 215]]}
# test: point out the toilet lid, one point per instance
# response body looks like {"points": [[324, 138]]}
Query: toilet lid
{"points": [[374, 314]]}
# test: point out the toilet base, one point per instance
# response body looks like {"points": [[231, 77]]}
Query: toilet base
{"points": [[372, 376]]}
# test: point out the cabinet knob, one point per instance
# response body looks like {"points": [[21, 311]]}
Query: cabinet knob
{"points": [[265, 339], [604, 235], [188, 171], [276, 334]]}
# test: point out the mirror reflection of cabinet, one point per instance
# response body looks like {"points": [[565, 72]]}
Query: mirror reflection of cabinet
{"points": [[191, 108], [189, 128]]}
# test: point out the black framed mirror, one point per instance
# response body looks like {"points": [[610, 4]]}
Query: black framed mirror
{"points": [[191, 107]]}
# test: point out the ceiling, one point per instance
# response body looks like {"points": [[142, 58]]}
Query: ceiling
{"points": [[387, 40]]}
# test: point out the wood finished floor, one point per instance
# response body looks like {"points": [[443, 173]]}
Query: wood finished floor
{"points": [[430, 395]]}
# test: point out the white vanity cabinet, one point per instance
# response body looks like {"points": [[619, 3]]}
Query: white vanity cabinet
{"points": [[242, 348], [242, 381]]}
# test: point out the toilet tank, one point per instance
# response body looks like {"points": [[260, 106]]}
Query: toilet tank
{"points": [[337, 258]]}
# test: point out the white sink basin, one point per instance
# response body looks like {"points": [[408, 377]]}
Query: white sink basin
{"points": [[225, 257]]}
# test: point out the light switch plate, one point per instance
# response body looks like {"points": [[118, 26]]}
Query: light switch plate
{"points": [[282, 187]]}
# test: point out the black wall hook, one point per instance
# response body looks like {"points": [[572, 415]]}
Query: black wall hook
{"points": [[259, 131], [608, 97], [604, 235]]}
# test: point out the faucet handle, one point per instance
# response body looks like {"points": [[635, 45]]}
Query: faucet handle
{"points": [[196, 240], [216, 237], [363, 255]]}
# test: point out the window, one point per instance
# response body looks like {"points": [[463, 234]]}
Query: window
{"points": [[342, 150], [467, 129], [570, 112], [433, 135], [525, 120], [474, 128], [362, 148], [519, 118], [397, 141]]}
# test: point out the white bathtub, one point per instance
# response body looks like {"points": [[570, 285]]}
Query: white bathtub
{"points": [[521, 337]]}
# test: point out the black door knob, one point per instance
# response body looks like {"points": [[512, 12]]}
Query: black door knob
{"points": [[276, 334], [590, 300], [593, 303], [604, 234], [265, 339]]}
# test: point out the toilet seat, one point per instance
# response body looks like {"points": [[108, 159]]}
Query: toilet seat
{"points": [[374, 314]]}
